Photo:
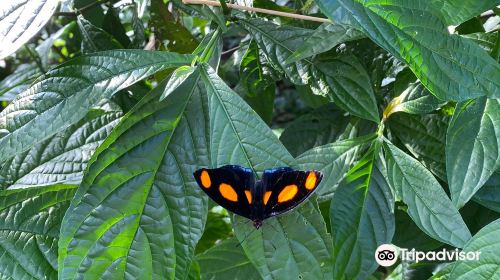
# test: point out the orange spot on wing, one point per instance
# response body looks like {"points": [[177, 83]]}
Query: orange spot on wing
{"points": [[205, 179], [228, 192], [267, 195], [288, 193], [311, 180], [249, 196]]}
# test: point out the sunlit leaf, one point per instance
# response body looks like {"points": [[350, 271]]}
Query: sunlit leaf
{"points": [[68, 92], [139, 213], [62, 158], [20, 20]]}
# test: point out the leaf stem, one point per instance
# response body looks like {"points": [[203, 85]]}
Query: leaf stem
{"points": [[257, 10]]}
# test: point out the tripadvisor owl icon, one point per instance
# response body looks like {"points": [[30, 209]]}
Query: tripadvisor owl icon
{"points": [[386, 255]]}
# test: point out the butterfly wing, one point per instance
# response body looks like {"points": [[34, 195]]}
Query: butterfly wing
{"points": [[230, 186], [286, 188]]}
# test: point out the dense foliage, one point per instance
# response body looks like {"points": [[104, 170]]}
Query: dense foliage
{"points": [[108, 107]]}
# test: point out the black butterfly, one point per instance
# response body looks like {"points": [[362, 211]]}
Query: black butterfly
{"points": [[280, 190]]}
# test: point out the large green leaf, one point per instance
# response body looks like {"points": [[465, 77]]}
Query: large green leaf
{"points": [[280, 250], [451, 67], [22, 19], [64, 157], [67, 93], [351, 85], [333, 160], [29, 228], [226, 261], [458, 11], [139, 212], [428, 205], [472, 147], [342, 79], [325, 38], [489, 194], [424, 137], [319, 127], [18, 81], [362, 218], [487, 242]]}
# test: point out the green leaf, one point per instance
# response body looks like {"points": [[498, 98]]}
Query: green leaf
{"points": [[455, 12], [62, 158], [362, 218], [18, 81], [428, 205], [415, 99], [487, 242], [333, 160], [472, 147], [139, 212], [177, 78], [21, 20], [238, 136], [257, 82], [278, 43], [325, 38], [319, 127], [29, 228], [226, 261], [451, 67], [342, 79], [210, 48], [352, 87], [95, 39], [489, 194], [424, 137], [67, 93]]}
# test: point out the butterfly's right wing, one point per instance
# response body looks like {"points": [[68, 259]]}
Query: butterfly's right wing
{"points": [[286, 188], [230, 186]]}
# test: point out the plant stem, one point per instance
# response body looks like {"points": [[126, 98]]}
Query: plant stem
{"points": [[257, 10]]}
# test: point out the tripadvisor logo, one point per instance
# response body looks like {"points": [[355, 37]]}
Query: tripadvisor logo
{"points": [[387, 255]]}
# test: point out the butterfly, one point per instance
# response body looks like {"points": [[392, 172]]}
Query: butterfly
{"points": [[280, 190]]}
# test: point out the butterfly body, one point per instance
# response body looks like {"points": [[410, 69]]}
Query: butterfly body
{"points": [[235, 188]]}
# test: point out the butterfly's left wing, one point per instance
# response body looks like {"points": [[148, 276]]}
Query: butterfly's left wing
{"points": [[230, 186], [286, 188]]}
